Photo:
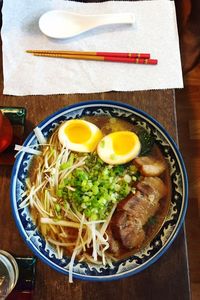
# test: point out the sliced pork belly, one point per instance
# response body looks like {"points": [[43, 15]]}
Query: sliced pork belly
{"points": [[133, 212], [150, 166], [127, 229], [153, 187], [114, 245]]}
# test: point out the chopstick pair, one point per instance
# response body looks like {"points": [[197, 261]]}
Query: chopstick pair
{"points": [[137, 58]]}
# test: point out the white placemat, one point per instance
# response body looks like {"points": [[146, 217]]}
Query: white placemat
{"points": [[155, 32]]}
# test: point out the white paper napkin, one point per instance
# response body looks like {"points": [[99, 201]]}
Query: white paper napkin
{"points": [[155, 33]]}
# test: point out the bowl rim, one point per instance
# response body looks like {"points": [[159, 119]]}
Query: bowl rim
{"points": [[173, 236]]}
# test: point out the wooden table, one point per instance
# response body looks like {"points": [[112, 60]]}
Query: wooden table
{"points": [[166, 279]]}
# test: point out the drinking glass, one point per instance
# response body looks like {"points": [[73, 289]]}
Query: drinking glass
{"points": [[9, 274]]}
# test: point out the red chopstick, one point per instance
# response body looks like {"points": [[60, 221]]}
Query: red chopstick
{"points": [[92, 53], [121, 54], [132, 60]]}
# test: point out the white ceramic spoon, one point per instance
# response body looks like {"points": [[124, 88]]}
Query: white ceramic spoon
{"points": [[61, 24]]}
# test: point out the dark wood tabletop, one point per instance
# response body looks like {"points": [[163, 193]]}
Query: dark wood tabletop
{"points": [[168, 278], [165, 279]]}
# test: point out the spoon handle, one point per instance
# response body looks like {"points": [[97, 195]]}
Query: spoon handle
{"points": [[121, 18]]}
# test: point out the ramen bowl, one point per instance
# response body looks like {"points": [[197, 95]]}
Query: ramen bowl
{"points": [[151, 251]]}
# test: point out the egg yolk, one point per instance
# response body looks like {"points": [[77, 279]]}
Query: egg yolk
{"points": [[123, 143], [78, 133]]}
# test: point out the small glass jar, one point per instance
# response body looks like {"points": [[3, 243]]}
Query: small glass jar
{"points": [[9, 273]]}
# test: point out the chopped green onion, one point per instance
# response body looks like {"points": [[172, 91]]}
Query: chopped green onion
{"points": [[57, 208], [96, 186]]}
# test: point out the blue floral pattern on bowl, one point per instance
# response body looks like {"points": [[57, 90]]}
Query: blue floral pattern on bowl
{"points": [[154, 249]]}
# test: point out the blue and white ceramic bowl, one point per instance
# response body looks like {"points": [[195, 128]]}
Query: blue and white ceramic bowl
{"points": [[152, 251]]}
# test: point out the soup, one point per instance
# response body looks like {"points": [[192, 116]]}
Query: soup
{"points": [[89, 208]]}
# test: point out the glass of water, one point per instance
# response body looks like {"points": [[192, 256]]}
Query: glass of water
{"points": [[9, 274]]}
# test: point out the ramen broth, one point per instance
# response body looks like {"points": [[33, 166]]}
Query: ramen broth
{"points": [[108, 125]]}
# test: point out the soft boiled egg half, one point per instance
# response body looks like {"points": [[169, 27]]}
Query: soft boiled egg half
{"points": [[119, 147], [79, 135]]}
